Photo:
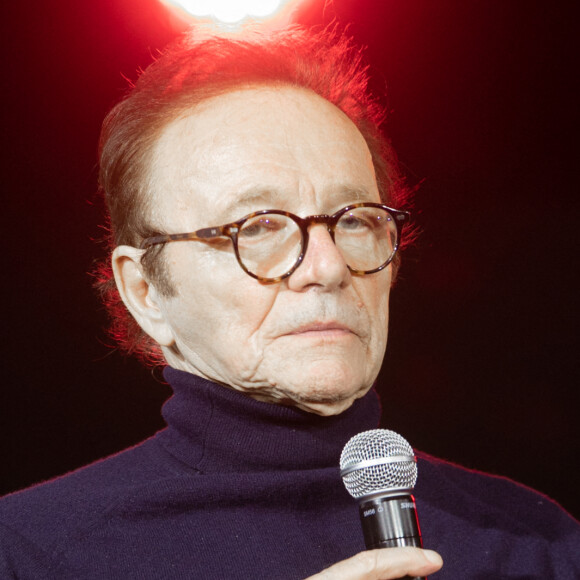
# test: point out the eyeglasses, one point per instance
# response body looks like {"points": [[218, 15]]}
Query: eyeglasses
{"points": [[270, 244]]}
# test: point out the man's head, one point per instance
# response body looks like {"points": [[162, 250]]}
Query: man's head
{"points": [[218, 129]]}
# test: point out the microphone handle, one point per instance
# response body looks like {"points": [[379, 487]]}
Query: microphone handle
{"points": [[390, 521]]}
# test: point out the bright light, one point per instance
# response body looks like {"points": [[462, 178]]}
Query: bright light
{"points": [[229, 11]]}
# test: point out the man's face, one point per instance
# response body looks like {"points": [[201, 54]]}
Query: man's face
{"points": [[315, 340]]}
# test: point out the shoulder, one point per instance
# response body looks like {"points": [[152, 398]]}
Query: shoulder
{"points": [[483, 489], [482, 495], [474, 484], [493, 523], [49, 513]]}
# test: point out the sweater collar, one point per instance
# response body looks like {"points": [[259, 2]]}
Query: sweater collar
{"points": [[212, 428]]}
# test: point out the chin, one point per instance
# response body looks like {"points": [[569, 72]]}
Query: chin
{"points": [[328, 398], [328, 407]]}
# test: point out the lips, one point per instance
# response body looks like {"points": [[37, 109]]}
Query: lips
{"points": [[322, 327]]}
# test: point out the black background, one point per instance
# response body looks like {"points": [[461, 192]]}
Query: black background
{"points": [[482, 360]]}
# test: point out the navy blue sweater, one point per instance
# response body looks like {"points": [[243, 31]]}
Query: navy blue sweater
{"points": [[236, 488]]}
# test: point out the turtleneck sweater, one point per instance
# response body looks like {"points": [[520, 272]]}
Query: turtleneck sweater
{"points": [[238, 488]]}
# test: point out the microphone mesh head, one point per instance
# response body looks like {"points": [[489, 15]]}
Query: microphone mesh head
{"points": [[377, 461]]}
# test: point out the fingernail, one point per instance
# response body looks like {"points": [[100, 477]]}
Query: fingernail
{"points": [[433, 557]]}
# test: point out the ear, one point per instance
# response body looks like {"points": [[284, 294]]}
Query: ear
{"points": [[139, 295]]}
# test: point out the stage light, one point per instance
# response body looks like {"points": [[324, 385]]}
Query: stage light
{"points": [[228, 12]]}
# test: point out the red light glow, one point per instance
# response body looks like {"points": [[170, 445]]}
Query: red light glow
{"points": [[228, 12]]}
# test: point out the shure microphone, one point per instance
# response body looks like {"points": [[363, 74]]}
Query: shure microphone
{"points": [[379, 469]]}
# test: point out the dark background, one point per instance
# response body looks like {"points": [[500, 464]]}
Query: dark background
{"points": [[482, 361]]}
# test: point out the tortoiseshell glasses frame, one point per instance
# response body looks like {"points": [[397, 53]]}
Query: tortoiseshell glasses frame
{"points": [[389, 218]]}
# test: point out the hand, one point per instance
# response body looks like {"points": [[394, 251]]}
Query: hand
{"points": [[383, 564]]}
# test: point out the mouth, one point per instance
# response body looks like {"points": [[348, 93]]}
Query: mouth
{"points": [[322, 329]]}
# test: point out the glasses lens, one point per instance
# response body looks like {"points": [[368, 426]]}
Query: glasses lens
{"points": [[367, 237], [269, 245]]}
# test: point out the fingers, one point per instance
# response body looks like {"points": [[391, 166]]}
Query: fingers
{"points": [[384, 564]]}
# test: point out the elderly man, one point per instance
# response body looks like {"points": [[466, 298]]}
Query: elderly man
{"points": [[254, 244]]}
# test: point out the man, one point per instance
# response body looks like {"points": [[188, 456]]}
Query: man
{"points": [[255, 241]]}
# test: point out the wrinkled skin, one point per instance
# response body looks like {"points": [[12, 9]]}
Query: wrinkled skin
{"points": [[315, 340]]}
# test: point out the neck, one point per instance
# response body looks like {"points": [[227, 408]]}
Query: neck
{"points": [[214, 428]]}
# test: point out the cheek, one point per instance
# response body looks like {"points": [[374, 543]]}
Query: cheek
{"points": [[219, 311], [378, 312], [374, 293]]}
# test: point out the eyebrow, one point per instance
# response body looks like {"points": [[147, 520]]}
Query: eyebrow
{"points": [[251, 200], [348, 194], [261, 197]]}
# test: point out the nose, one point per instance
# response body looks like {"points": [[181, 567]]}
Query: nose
{"points": [[323, 265]]}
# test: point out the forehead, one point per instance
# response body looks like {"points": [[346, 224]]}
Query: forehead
{"points": [[258, 148]]}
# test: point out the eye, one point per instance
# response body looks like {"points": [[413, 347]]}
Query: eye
{"points": [[352, 222], [362, 220], [263, 226]]}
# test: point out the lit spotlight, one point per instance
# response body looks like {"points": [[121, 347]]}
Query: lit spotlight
{"points": [[229, 12]]}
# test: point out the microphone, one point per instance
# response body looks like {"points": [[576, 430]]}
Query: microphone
{"points": [[379, 469]]}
